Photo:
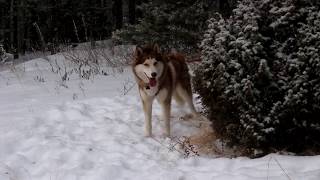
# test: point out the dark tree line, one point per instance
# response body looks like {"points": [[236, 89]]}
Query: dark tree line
{"points": [[175, 24], [28, 25]]}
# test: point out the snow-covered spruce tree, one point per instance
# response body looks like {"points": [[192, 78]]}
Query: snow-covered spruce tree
{"points": [[177, 24], [260, 75]]}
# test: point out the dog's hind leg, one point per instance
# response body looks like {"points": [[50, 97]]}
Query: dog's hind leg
{"points": [[180, 101], [187, 97], [191, 105]]}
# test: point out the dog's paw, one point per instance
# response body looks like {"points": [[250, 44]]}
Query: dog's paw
{"points": [[147, 134], [192, 116], [165, 136], [186, 117]]}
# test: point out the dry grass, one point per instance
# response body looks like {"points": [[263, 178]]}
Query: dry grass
{"points": [[207, 143], [204, 141]]}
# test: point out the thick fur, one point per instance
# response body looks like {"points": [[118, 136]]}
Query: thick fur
{"points": [[170, 72]]}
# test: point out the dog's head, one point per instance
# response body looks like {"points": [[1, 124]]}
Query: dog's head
{"points": [[149, 64]]}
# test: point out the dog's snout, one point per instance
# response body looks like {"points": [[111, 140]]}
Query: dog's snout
{"points": [[153, 74]]}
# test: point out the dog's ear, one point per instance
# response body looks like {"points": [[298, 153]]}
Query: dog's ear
{"points": [[139, 51], [156, 48]]}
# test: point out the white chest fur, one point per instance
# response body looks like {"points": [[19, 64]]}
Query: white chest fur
{"points": [[151, 91]]}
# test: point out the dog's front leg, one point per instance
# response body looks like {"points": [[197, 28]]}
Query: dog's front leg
{"points": [[166, 105], [147, 108], [164, 98]]}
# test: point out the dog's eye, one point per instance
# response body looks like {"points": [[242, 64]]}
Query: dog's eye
{"points": [[155, 63], [146, 64]]}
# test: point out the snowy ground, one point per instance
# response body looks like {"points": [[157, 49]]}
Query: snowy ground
{"points": [[90, 130]]}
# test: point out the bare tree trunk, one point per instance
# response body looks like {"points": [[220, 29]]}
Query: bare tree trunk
{"points": [[2, 22], [43, 43], [118, 13], [12, 29], [20, 26], [85, 27], [139, 13], [132, 11], [76, 30], [224, 7]]}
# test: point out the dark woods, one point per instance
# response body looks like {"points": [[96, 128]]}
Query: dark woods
{"points": [[31, 25], [28, 25]]}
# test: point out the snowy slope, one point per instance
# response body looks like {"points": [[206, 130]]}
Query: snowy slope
{"points": [[90, 130]]}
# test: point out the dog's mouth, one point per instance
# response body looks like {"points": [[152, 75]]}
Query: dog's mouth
{"points": [[152, 81]]}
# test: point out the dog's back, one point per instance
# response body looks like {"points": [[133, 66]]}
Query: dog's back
{"points": [[181, 70]]}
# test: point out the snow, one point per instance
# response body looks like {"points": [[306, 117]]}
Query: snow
{"points": [[93, 129]]}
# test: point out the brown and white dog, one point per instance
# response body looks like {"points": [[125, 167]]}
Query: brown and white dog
{"points": [[161, 76]]}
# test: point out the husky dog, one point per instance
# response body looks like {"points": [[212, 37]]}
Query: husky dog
{"points": [[161, 76]]}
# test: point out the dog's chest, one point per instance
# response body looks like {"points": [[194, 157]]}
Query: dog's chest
{"points": [[151, 91]]}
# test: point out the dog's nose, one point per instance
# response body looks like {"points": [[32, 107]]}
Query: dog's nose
{"points": [[153, 74]]}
